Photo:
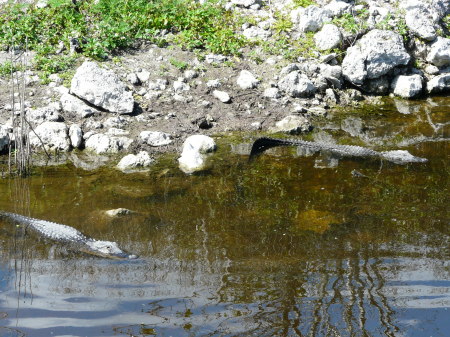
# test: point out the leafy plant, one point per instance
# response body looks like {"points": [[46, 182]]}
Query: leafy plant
{"points": [[352, 23], [180, 65], [303, 3]]}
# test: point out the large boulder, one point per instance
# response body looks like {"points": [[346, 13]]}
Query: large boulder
{"points": [[73, 105], [407, 86], [374, 55], [439, 53], [422, 16], [193, 155], [102, 88], [296, 84], [102, 143], [52, 135]]}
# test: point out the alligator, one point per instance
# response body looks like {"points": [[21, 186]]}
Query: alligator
{"points": [[67, 234], [395, 156]]}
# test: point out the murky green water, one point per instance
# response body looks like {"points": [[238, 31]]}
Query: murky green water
{"points": [[290, 244]]}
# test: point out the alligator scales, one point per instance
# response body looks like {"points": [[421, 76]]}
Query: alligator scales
{"points": [[396, 156], [67, 234]]}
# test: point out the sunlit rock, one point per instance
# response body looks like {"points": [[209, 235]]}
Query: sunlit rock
{"points": [[155, 138], [376, 54], [407, 86], [48, 113], [292, 124], [52, 135], [296, 84], [246, 80], [194, 152], [75, 135], [118, 212], [134, 162], [102, 88], [439, 53], [328, 37], [74, 105], [102, 143], [439, 84]]}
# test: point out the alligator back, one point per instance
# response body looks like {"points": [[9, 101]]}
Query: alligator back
{"points": [[67, 234]]}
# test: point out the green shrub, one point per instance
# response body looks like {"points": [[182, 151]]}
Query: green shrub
{"points": [[105, 26]]}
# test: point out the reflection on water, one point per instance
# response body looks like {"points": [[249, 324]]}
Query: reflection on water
{"points": [[291, 244]]}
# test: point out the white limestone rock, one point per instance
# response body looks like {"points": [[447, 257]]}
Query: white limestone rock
{"points": [[222, 96], [75, 135], [328, 37], [143, 75], [255, 32], [102, 143], [131, 162], [439, 53], [313, 18], [337, 8], [374, 55], [193, 155], [439, 84], [179, 85], [407, 86], [422, 16], [53, 135], [74, 105], [297, 84], [292, 124], [246, 80], [272, 93], [155, 138], [48, 113], [113, 213], [102, 88]]}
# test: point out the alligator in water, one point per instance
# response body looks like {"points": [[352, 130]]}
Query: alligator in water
{"points": [[67, 234], [396, 156]]}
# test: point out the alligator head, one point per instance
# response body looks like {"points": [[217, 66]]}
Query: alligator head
{"points": [[108, 249]]}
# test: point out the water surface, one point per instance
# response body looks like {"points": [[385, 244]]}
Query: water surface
{"points": [[292, 243]]}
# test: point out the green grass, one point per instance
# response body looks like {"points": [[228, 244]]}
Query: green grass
{"points": [[105, 26]]}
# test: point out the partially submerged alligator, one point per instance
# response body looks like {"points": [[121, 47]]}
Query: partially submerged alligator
{"points": [[396, 156], [67, 234]]}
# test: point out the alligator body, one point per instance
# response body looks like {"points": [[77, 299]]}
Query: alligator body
{"points": [[396, 156], [67, 234]]}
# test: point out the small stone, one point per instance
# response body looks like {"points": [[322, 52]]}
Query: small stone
{"points": [[190, 74], [155, 138], [213, 83], [117, 212], [292, 124], [133, 79], [75, 135], [143, 75], [272, 93], [246, 80], [222, 96]]}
